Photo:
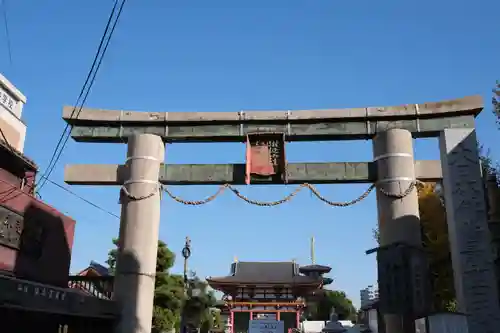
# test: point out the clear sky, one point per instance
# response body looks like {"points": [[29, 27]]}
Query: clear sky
{"points": [[223, 55]]}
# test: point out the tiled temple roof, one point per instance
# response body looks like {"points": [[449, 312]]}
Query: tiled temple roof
{"points": [[255, 273]]}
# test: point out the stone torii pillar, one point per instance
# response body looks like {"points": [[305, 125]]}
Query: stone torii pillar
{"points": [[398, 218], [138, 239]]}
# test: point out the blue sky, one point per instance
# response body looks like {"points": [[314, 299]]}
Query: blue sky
{"points": [[226, 55]]}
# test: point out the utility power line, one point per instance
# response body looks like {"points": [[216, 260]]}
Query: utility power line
{"points": [[7, 32], [13, 187], [4, 138], [84, 92], [64, 188]]}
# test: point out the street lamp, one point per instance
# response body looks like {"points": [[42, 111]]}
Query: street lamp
{"points": [[192, 292], [186, 253]]}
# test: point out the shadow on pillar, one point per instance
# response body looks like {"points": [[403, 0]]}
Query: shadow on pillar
{"points": [[127, 321], [403, 274]]}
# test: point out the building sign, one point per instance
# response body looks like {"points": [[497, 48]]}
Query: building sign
{"points": [[14, 230], [33, 296], [266, 326], [11, 227], [6, 100], [41, 291], [266, 316]]}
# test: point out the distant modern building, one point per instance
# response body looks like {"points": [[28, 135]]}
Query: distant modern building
{"points": [[370, 315], [368, 296]]}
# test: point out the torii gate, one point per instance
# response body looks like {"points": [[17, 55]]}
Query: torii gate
{"points": [[393, 170]]}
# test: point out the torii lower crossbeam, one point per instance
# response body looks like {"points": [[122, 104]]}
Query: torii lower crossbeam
{"points": [[234, 174]]}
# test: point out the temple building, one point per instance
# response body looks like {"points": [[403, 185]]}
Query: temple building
{"points": [[267, 290]]}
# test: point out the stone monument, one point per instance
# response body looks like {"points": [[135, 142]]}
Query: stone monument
{"points": [[333, 325]]}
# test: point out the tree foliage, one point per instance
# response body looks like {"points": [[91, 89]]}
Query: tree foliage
{"points": [[337, 300], [212, 320], [171, 298], [435, 240], [199, 303]]}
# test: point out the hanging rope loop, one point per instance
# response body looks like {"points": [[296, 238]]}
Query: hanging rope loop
{"points": [[314, 191]]}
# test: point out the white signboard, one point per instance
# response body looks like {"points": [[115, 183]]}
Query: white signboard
{"points": [[266, 326], [266, 316], [6, 101]]}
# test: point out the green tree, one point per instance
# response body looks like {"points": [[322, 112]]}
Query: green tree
{"points": [[169, 289], [211, 321], [333, 299], [376, 235], [199, 304]]}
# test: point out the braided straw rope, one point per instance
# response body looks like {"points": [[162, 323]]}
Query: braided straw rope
{"points": [[287, 198]]}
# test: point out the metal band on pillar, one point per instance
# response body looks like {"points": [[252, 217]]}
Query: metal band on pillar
{"points": [[151, 158], [384, 156], [396, 179], [140, 181], [151, 275]]}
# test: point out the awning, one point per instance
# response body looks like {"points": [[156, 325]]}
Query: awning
{"points": [[32, 296]]}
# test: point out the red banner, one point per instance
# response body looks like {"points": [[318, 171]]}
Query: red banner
{"points": [[265, 155]]}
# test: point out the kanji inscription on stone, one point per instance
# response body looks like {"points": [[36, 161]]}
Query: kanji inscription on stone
{"points": [[470, 241]]}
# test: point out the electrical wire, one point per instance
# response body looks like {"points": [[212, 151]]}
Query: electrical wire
{"points": [[53, 183], [7, 32], [98, 54], [7, 143], [62, 187], [68, 191], [61, 144]]}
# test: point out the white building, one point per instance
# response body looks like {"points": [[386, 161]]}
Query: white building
{"points": [[11, 107]]}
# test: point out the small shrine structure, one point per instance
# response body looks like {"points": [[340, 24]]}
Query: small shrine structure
{"points": [[265, 290]]}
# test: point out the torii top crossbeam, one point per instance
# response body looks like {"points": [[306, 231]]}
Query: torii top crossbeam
{"points": [[423, 120]]}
